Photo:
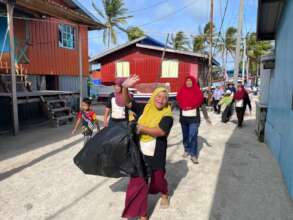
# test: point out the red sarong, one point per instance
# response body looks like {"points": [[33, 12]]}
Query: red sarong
{"points": [[137, 193]]}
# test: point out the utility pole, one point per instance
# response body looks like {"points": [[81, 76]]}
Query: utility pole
{"points": [[243, 61], [239, 32], [211, 42], [80, 65], [247, 69], [10, 9]]}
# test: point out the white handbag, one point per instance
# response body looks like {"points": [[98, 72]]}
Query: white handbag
{"points": [[189, 113], [239, 103], [148, 148]]}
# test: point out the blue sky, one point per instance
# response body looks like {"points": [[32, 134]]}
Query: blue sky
{"points": [[170, 16]]}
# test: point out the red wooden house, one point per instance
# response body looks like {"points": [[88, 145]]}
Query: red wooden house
{"points": [[47, 46], [51, 52], [143, 57]]}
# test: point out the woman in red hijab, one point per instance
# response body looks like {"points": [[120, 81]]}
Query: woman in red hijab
{"points": [[190, 100], [241, 99]]}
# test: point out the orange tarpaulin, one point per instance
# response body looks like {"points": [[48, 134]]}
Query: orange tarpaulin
{"points": [[96, 75]]}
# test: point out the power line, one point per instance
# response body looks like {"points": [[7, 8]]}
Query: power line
{"points": [[149, 7], [221, 26], [168, 15], [118, 31], [88, 38], [134, 11]]}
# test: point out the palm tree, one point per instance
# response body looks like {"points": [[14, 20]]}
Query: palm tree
{"points": [[256, 49], [134, 32], [230, 41], [206, 32], [198, 43], [180, 41], [226, 45], [114, 15], [202, 40]]}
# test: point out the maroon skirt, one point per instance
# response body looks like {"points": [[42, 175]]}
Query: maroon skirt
{"points": [[137, 193]]}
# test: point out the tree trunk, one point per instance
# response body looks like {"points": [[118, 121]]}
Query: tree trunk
{"points": [[109, 37]]}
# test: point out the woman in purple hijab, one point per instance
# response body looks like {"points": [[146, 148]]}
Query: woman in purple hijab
{"points": [[116, 111]]}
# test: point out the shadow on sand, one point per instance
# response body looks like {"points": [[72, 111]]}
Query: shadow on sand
{"points": [[32, 139], [174, 178], [248, 184], [9, 173]]}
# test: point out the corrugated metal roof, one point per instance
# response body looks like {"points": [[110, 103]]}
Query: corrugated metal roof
{"points": [[149, 43], [144, 40], [172, 50], [268, 17], [71, 10], [95, 58], [81, 9]]}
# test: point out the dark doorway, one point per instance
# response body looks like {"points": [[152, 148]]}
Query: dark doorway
{"points": [[52, 83]]}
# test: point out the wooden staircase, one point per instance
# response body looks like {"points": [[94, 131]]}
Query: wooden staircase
{"points": [[54, 106], [57, 111]]}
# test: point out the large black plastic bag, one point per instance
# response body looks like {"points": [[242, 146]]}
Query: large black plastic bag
{"points": [[227, 113], [111, 153]]}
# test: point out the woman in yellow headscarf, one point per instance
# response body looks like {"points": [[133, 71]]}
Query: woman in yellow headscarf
{"points": [[154, 124]]}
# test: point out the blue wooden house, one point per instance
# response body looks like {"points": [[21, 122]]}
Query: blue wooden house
{"points": [[275, 23]]}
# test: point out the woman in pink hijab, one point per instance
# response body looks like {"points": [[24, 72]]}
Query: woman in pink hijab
{"points": [[116, 111]]}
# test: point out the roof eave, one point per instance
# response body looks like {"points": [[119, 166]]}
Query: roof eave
{"points": [[90, 15], [187, 53], [58, 11], [96, 58], [277, 5]]}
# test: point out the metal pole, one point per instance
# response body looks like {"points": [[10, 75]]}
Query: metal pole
{"points": [[239, 32], [247, 69], [10, 8], [243, 61], [223, 63], [211, 44], [80, 65], [162, 59], [164, 51]]}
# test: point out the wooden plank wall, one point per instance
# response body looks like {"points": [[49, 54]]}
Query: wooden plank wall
{"points": [[44, 53], [146, 63]]}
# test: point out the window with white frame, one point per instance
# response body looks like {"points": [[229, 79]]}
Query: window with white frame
{"points": [[122, 69], [66, 36], [170, 69]]}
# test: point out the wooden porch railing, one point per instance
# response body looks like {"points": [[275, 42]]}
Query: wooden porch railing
{"points": [[5, 68]]}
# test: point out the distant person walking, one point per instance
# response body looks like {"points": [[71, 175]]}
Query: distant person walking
{"points": [[87, 119], [217, 95], [231, 88], [241, 101], [154, 124], [115, 111], [190, 100], [227, 104]]}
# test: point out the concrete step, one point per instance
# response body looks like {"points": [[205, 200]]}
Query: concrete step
{"points": [[55, 101], [60, 109], [70, 116]]}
